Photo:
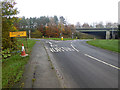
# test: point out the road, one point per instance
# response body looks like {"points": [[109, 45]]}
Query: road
{"points": [[82, 65]]}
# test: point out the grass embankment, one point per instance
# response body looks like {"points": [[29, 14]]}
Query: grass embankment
{"points": [[111, 45], [13, 67], [64, 39]]}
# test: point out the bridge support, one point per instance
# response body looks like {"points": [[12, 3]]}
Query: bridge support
{"points": [[107, 34]]}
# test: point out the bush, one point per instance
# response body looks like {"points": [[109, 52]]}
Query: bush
{"points": [[36, 34]]}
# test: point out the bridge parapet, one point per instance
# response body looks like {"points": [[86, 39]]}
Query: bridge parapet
{"points": [[103, 33]]}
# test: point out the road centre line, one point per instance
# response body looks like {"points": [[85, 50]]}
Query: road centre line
{"points": [[102, 61]]}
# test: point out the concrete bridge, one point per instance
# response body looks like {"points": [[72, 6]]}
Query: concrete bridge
{"points": [[101, 33]]}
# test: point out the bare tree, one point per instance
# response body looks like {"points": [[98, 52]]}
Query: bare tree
{"points": [[85, 25]]}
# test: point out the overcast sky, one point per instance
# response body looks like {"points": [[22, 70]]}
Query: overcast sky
{"points": [[74, 11]]}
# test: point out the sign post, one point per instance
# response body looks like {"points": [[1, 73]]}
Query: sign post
{"points": [[29, 34]]}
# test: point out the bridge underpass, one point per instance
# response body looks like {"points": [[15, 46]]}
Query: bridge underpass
{"points": [[104, 33]]}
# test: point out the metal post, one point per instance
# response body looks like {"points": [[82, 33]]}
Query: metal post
{"points": [[107, 34], [26, 45], [29, 34], [60, 35], [61, 30], [113, 35], [72, 35]]}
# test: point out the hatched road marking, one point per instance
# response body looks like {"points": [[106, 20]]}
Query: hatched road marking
{"points": [[61, 49], [74, 48]]}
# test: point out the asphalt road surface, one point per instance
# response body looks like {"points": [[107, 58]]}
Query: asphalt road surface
{"points": [[83, 65]]}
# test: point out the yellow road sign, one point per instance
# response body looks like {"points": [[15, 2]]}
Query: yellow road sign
{"points": [[18, 34]]}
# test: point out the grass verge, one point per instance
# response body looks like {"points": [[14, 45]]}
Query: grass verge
{"points": [[111, 45], [13, 67]]}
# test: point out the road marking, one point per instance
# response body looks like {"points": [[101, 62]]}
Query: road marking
{"points": [[61, 49], [55, 45], [57, 49], [74, 48], [64, 48], [70, 49], [51, 49], [102, 61], [50, 43]]}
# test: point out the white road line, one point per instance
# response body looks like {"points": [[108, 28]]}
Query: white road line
{"points": [[102, 61], [62, 48], [74, 48], [50, 43], [57, 49], [70, 49], [55, 45], [51, 49]]}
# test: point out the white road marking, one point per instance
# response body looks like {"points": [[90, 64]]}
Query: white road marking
{"points": [[70, 49], [74, 48], [55, 45], [57, 50], [65, 48], [51, 45], [61, 49], [51, 49], [102, 61]]}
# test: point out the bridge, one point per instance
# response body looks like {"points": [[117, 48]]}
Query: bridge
{"points": [[101, 33]]}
